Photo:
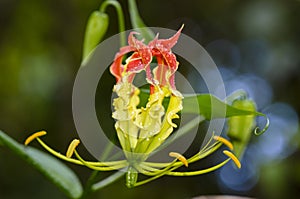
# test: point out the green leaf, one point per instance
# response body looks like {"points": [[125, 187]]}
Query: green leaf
{"points": [[51, 168], [211, 107], [206, 105]]}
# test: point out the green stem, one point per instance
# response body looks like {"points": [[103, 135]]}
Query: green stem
{"points": [[109, 147], [121, 20], [137, 22], [90, 185], [108, 180], [238, 94]]}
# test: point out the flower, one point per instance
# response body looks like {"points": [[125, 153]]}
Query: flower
{"points": [[141, 130], [164, 73]]}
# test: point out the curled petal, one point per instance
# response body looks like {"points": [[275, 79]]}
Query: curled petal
{"points": [[125, 112], [142, 53], [134, 42], [175, 105], [117, 68], [167, 63], [125, 104], [170, 59], [149, 119], [169, 43], [138, 61], [166, 43], [165, 71], [135, 64]]}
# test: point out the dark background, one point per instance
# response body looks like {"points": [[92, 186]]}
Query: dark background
{"points": [[40, 53]]}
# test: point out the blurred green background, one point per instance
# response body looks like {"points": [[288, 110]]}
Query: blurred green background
{"points": [[40, 53]]}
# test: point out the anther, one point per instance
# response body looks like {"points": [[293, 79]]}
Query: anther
{"points": [[72, 147], [179, 157], [234, 158], [224, 141], [34, 136]]}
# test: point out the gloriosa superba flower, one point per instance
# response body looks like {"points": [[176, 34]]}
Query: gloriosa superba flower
{"points": [[142, 130]]}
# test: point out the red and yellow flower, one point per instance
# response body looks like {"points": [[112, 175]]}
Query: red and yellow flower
{"points": [[142, 130]]}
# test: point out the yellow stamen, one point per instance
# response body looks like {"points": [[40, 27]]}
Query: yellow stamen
{"points": [[179, 157], [224, 141], [234, 158], [33, 136], [72, 147]]}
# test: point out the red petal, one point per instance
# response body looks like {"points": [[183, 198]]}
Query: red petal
{"points": [[172, 63], [134, 42], [170, 59], [166, 43], [144, 52], [161, 71], [153, 43], [124, 50], [142, 57], [117, 68], [166, 62], [135, 63]]}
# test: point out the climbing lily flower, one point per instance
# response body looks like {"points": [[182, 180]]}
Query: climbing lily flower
{"points": [[142, 130], [164, 73]]}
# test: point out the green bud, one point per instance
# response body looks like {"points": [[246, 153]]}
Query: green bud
{"points": [[95, 30], [240, 127]]}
